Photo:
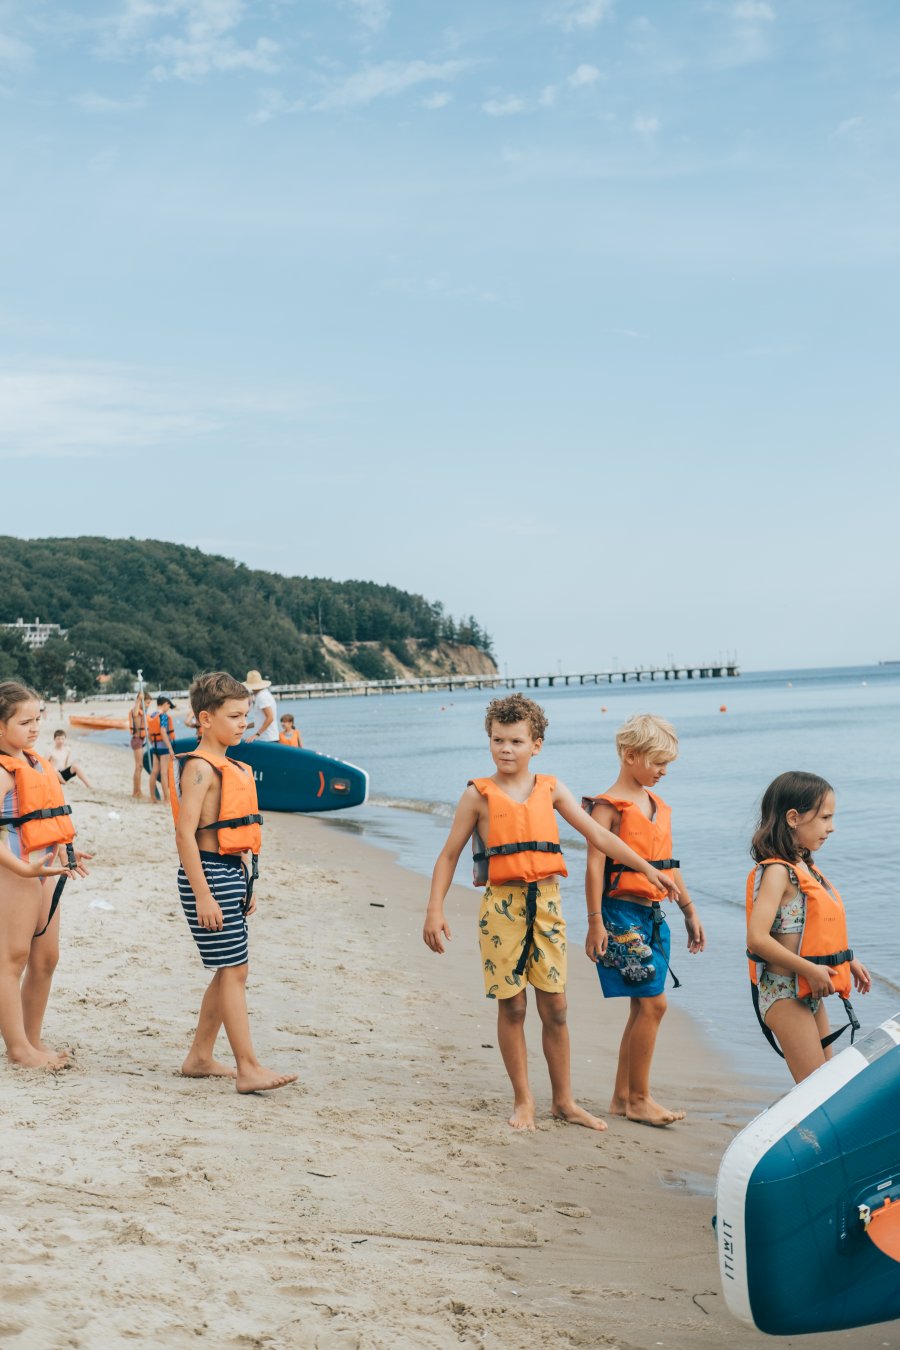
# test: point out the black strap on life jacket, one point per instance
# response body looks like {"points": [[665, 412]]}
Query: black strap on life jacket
{"points": [[503, 850], [45, 813], [658, 920], [71, 861], [614, 870], [531, 895], [232, 824], [836, 959]]}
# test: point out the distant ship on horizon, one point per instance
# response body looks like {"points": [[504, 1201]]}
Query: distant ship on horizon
{"points": [[889, 663]]}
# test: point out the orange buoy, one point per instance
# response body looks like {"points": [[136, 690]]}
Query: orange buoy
{"points": [[723, 708]]}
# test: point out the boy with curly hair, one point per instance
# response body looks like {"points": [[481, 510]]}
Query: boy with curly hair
{"points": [[511, 819]]}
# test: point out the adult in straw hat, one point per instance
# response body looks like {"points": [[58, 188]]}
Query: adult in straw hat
{"points": [[262, 725]]}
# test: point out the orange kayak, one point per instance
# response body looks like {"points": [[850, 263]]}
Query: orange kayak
{"points": [[98, 722]]}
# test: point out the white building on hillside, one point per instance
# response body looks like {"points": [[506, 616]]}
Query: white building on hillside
{"points": [[35, 634]]}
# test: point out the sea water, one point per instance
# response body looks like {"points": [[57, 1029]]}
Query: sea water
{"points": [[421, 749]]}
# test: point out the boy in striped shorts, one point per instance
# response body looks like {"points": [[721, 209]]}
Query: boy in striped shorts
{"points": [[216, 823]]}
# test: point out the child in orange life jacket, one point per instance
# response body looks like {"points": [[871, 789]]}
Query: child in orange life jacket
{"points": [[290, 734], [628, 938], [35, 830], [796, 927], [161, 729], [522, 932], [216, 822]]}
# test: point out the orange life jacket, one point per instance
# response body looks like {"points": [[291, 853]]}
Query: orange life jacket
{"points": [[155, 728], [239, 825], [824, 938], [523, 837], [652, 839], [290, 738], [42, 813], [822, 941]]}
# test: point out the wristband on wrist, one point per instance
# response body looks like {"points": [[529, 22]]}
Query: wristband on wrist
{"points": [[593, 913]]}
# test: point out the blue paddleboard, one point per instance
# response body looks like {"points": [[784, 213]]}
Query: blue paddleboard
{"points": [[293, 780], [808, 1199]]}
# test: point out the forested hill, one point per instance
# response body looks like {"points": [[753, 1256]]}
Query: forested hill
{"points": [[171, 611]]}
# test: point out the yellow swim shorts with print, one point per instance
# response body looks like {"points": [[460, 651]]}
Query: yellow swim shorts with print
{"points": [[503, 930]]}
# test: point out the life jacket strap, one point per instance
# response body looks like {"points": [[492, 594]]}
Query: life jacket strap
{"points": [[658, 920], [531, 896], [45, 813], [614, 871], [835, 959], [233, 824], [503, 850], [71, 861], [254, 876]]}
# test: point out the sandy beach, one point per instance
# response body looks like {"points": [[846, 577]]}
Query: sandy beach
{"points": [[383, 1201]]}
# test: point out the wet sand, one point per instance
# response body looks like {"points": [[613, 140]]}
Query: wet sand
{"points": [[383, 1201]]}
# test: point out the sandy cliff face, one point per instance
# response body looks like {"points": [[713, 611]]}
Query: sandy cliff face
{"points": [[445, 658]]}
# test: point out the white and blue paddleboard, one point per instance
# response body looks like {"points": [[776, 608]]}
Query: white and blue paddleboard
{"points": [[288, 779], [808, 1199]]}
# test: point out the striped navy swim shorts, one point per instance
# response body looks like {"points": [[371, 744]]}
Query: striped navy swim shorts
{"points": [[227, 879]]}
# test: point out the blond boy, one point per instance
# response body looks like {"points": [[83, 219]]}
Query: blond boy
{"points": [[628, 938], [512, 816]]}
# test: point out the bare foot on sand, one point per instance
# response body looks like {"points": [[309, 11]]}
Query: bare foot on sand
{"points": [[646, 1111], [573, 1114], [32, 1058], [62, 1055], [522, 1117], [618, 1106], [259, 1079], [194, 1067]]}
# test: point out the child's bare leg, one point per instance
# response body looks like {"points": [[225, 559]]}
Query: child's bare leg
{"points": [[20, 914], [555, 1040], [799, 1034], [79, 773], [43, 959], [138, 773], [251, 1076], [642, 1032], [154, 778], [618, 1106], [200, 1061], [511, 1039]]}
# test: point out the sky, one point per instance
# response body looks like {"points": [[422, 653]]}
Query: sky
{"points": [[580, 316]]}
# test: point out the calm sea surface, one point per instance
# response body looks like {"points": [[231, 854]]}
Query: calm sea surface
{"points": [[420, 750]]}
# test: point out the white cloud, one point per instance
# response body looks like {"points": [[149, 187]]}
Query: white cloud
{"points": [[387, 80], [548, 95], [59, 409], [273, 103], [573, 14], [849, 124], [584, 74], [373, 14], [503, 107], [756, 11], [100, 103], [644, 125], [438, 100], [200, 38], [14, 53]]}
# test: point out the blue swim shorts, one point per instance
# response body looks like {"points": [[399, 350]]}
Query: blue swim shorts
{"points": [[636, 960]]}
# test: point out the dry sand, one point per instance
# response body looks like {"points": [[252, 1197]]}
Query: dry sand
{"points": [[383, 1202]]}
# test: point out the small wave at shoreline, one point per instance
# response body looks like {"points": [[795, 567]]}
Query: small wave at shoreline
{"points": [[423, 808]]}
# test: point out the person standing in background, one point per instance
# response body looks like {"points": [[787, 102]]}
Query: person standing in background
{"points": [[262, 709]]}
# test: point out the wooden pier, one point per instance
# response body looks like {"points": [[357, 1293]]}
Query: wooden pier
{"points": [[424, 683]]}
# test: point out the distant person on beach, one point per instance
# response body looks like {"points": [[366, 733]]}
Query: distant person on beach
{"points": [[263, 710], [161, 728], [61, 759], [290, 734], [137, 726], [214, 885], [36, 856], [796, 925], [628, 938], [511, 819]]}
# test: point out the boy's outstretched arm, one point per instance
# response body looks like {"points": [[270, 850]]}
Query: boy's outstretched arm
{"points": [[607, 842], [597, 940], [436, 927]]}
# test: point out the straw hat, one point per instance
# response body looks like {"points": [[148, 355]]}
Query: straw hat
{"points": [[255, 682]]}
